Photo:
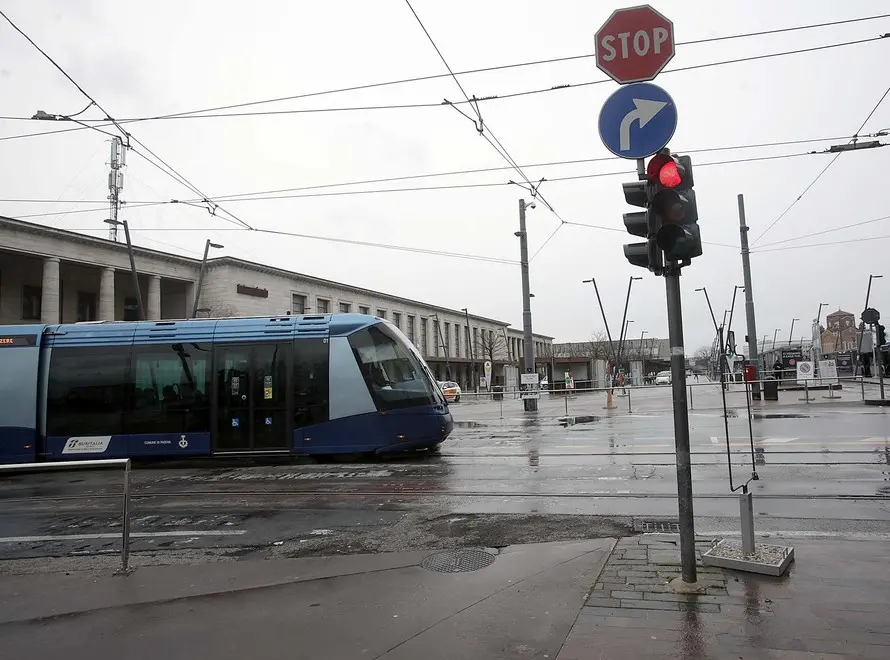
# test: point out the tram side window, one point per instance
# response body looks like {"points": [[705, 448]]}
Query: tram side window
{"points": [[310, 382], [87, 391], [392, 372], [172, 389]]}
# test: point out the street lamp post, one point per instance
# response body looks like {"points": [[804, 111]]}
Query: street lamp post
{"points": [[599, 301], [140, 307], [470, 349], [530, 405], [775, 334], [791, 332], [207, 245]]}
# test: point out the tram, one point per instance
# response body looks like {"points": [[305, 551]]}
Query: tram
{"points": [[318, 385]]}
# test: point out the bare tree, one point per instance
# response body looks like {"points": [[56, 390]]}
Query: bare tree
{"points": [[706, 354], [492, 346], [600, 348], [215, 308]]}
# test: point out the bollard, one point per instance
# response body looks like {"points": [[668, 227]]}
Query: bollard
{"points": [[502, 407], [862, 384], [628, 402], [567, 402], [691, 402]]}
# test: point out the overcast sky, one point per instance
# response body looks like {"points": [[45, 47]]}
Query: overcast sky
{"points": [[141, 59]]}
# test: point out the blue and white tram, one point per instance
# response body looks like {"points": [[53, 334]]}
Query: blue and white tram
{"points": [[346, 383]]}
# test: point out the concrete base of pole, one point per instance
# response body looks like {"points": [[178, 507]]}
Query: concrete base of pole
{"points": [[746, 511], [766, 559], [681, 587]]}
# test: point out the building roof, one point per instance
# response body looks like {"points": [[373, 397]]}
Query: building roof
{"points": [[839, 312], [65, 234]]}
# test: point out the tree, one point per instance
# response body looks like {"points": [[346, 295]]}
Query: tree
{"points": [[215, 308], [492, 346], [706, 354]]}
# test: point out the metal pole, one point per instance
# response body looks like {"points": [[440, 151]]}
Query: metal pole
{"points": [[605, 323], [681, 423], [623, 322], [530, 405], [628, 401], [125, 540], [139, 304], [746, 509], [735, 290], [470, 350], [749, 301], [200, 282], [791, 332], [859, 346], [876, 360], [691, 402]]}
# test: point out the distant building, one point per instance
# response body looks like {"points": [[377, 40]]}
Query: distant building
{"points": [[840, 334], [587, 360], [51, 276]]}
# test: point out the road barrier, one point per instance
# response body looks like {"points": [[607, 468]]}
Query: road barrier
{"points": [[85, 465], [733, 387]]}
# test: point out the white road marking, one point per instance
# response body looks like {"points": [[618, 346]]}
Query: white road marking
{"points": [[714, 440], [117, 535]]}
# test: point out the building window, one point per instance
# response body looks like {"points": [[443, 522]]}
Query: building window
{"points": [[397, 320], [322, 306], [345, 308], [411, 330], [364, 309], [86, 306], [424, 345], [298, 304], [31, 296], [381, 313], [476, 342], [447, 341], [456, 340], [131, 309]]}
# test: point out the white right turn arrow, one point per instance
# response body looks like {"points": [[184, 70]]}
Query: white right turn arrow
{"points": [[645, 110]]}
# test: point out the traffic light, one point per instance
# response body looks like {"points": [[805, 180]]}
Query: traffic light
{"points": [[673, 202], [644, 224], [882, 337]]}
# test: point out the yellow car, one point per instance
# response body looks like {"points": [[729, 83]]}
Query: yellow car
{"points": [[451, 390]]}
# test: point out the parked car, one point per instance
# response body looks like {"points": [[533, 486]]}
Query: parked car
{"points": [[451, 390], [663, 378]]}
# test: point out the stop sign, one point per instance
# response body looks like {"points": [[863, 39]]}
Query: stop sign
{"points": [[634, 44]]}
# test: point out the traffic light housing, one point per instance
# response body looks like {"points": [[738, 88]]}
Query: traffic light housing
{"points": [[645, 254], [673, 202], [882, 337], [670, 220]]}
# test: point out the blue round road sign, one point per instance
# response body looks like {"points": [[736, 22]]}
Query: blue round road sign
{"points": [[637, 120]]}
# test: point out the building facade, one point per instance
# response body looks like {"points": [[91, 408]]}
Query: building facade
{"points": [[55, 276], [840, 334]]}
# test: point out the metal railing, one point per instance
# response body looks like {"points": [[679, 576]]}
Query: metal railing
{"points": [[735, 387], [90, 464]]}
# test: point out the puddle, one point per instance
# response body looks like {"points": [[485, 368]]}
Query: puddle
{"points": [[780, 416], [578, 419], [469, 425]]}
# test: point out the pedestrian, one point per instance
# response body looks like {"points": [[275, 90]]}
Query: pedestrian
{"points": [[777, 370]]}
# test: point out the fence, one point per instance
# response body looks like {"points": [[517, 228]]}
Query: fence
{"points": [[626, 396], [83, 465]]}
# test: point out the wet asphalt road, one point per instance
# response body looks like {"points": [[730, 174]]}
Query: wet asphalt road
{"points": [[824, 467]]}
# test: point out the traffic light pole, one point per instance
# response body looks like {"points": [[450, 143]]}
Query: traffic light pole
{"points": [[681, 422]]}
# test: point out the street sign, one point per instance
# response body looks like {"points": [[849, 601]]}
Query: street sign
{"points": [[870, 315], [637, 120], [634, 44], [804, 371]]}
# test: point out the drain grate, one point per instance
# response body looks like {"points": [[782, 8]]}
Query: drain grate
{"points": [[657, 526], [458, 561]]}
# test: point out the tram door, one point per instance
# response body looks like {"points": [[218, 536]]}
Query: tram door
{"points": [[251, 394]]}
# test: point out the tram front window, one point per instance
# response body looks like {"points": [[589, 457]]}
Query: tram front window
{"points": [[393, 374]]}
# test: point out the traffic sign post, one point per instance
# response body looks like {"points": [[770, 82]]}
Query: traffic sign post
{"points": [[637, 120], [634, 44]]}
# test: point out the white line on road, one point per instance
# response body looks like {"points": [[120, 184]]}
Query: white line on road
{"points": [[117, 535]]}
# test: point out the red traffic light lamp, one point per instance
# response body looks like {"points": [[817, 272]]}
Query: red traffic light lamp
{"points": [[669, 171]]}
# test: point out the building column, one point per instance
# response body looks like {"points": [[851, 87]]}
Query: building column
{"points": [[49, 298], [153, 305], [106, 295]]}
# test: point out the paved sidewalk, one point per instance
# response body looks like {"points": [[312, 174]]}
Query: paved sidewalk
{"points": [[580, 600], [832, 604]]}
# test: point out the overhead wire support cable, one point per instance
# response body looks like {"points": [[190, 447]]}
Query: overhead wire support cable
{"points": [[824, 169]]}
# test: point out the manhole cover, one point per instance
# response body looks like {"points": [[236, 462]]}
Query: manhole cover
{"points": [[658, 526], [457, 561]]}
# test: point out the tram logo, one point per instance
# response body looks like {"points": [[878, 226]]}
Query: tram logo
{"points": [[87, 445], [183, 443]]}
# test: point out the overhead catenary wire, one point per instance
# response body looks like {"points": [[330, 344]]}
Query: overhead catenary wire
{"points": [[814, 245], [821, 233], [553, 60], [552, 88], [348, 193], [822, 171]]}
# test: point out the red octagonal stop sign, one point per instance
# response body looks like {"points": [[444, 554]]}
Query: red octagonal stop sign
{"points": [[634, 44]]}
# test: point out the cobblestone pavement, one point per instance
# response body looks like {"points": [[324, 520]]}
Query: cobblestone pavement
{"points": [[632, 611]]}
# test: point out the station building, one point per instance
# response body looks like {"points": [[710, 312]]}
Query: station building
{"points": [[50, 275]]}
